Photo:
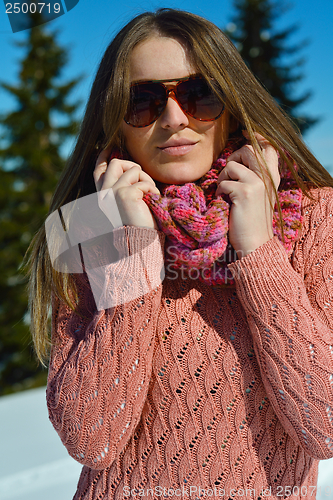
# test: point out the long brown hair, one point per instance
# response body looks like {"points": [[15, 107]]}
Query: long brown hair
{"points": [[216, 58]]}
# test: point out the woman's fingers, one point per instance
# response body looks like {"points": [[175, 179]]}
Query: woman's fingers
{"points": [[258, 136], [107, 174], [100, 167], [118, 204], [246, 157], [270, 155], [118, 168], [131, 176], [121, 185], [234, 172], [135, 191], [107, 171]]}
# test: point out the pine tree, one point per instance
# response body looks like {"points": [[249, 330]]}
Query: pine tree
{"points": [[265, 51], [30, 165]]}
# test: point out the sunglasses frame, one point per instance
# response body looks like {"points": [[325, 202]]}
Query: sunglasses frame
{"points": [[172, 90]]}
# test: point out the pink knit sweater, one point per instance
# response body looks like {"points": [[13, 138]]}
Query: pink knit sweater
{"points": [[193, 391]]}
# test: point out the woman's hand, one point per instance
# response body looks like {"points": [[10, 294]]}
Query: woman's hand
{"points": [[251, 215], [125, 183]]}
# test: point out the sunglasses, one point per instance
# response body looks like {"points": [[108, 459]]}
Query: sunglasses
{"points": [[193, 94]]}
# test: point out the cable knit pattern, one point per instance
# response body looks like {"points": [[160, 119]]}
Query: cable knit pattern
{"points": [[198, 386]]}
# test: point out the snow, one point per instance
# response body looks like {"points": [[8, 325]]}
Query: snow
{"points": [[34, 464]]}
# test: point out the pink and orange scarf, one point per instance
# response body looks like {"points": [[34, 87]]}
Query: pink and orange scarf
{"points": [[195, 222]]}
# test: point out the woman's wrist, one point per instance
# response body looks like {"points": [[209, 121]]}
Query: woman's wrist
{"points": [[251, 246]]}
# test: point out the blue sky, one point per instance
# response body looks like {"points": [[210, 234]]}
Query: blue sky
{"points": [[88, 28]]}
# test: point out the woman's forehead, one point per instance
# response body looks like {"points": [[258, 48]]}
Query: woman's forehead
{"points": [[160, 58]]}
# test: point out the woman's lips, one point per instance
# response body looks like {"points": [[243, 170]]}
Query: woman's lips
{"points": [[179, 150]]}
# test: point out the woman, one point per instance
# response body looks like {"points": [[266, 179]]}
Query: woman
{"points": [[217, 381]]}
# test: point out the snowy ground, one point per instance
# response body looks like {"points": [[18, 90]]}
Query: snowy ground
{"points": [[34, 465]]}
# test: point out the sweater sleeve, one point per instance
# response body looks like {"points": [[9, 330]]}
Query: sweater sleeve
{"points": [[101, 360], [290, 315]]}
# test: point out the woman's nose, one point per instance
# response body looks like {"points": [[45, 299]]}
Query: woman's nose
{"points": [[173, 117]]}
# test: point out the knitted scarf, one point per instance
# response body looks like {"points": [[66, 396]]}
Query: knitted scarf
{"points": [[195, 222]]}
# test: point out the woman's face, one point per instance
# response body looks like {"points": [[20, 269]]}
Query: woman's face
{"points": [[176, 148]]}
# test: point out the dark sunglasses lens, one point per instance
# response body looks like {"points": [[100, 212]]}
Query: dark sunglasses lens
{"points": [[198, 99], [147, 101]]}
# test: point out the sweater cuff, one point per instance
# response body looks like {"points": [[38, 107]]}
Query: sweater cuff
{"points": [[138, 270], [131, 240], [264, 272], [141, 248]]}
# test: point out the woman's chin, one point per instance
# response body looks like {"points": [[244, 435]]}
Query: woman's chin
{"points": [[178, 175], [177, 180]]}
